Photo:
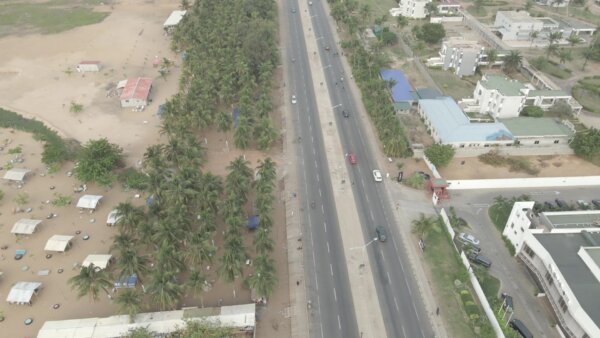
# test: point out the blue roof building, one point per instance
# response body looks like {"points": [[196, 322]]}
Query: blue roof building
{"points": [[401, 91], [449, 125]]}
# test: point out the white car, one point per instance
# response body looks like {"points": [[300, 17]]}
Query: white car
{"points": [[377, 176], [293, 99], [466, 238]]}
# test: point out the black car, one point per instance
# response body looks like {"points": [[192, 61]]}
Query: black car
{"points": [[518, 326], [479, 260], [561, 204], [381, 236], [596, 203], [345, 114]]}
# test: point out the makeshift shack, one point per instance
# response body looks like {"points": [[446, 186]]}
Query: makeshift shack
{"points": [[16, 174], [89, 201], [58, 243], [22, 293], [25, 226], [100, 262]]}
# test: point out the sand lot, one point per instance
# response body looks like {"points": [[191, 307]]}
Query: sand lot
{"points": [[35, 82]]}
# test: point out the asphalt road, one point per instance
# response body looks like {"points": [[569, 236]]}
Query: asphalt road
{"points": [[403, 311], [328, 288]]}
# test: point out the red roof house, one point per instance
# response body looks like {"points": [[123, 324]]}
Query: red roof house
{"points": [[136, 92]]}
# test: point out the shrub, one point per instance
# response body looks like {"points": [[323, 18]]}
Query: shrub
{"points": [[532, 111], [61, 200], [493, 158], [430, 32], [587, 144], [96, 161], [133, 179], [509, 246], [415, 181], [15, 150], [440, 155]]}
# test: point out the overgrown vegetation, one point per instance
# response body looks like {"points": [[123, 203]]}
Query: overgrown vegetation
{"points": [[47, 17], [131, 178], [192, 329], [56, 150], [532, 111], [491, 289], [550, 67], [586, 144], [61, 200], [440, 155], [97, 160], [514, 164], [415, 181], [587, 92], [366, 66], [429, 32]]}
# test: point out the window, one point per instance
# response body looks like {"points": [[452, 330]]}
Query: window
{"points": [[549, 278], [512, 225], [563, 304], [528, 251], [556, 141], [536, 142], [522, 230], [462, 145]]}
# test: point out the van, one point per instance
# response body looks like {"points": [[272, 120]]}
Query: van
{"points": [[480, 260], [518, 326]]}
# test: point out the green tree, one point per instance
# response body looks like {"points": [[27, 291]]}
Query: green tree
{"points": [[266, 133], [139, 332], [224, 122], [528, 5], [401, 21], [431, 8], [564, 55], [264, 279], [164, 290], [430, 32], [492, 57], [196, 283], [532, 111], [573, 40], [532, 36], [586, 144], [129, 302], [423, 225], [512, 61], [90, 281], [130, 263], [96, 161], [440, 155], [129, 217]]}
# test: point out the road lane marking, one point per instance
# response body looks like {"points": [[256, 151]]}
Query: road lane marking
{"points": [[395, 246], [325, 226], [389, 279], [326, 66], [339, 323], [382, 255], [337, 105], [331, 268], [320, 194], [396, 302], [318, 179], [403, 332], [328, 251], [334, 294], [408, 286]]}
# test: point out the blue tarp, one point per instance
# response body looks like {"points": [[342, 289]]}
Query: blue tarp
{"points": [[150, 200], [253, 222], [126, 282], [401, 91], [236, 116]]}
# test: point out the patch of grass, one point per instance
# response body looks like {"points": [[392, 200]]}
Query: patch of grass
{"points": [[15, 150], [550, 67], [47, 17], [61, 200], [415, 181], [587, 92], [452, 85], [477, 12], [56, 150], [515, 164]]}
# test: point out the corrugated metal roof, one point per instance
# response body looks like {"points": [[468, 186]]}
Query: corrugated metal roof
{"points": [[22, 292], [174, 18], [58, 243], [452, 125], [137, 88], [16, 174], [504, 85], [25, 226], [89, 201], [401, 90], [532, 126], [99, 261]]}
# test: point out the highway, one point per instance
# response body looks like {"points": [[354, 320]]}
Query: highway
{"points": [[401, 303], [331, 309]]}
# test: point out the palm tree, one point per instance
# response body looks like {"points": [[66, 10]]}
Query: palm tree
{"points": [[122, 242], [129, 217], [200, 249], [551, 50], [512, 61], [573, 40], [266, 133], [267, 169], [231, 265], [532, 36], [265, 279], [242, 133], [129, 302], [90, 281], [423, 225], [131, 263], [564, 55], [492, 56], [588, 53], [164, 289], [196, 283], [263, 241], [553, 38], [224, 122]]}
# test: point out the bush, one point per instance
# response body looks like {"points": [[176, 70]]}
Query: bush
{"points": [[61, 200], [493, 158], [389, 38], [97, 160], [415, 181], [440, 155], [587, 144], [430, 32], [509, 246], [133, 179], [56, 150], [532, 111]]}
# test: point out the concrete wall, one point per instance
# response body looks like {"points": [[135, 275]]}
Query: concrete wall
{"points": [[440, 19], [543, 141], [521, 150], [431, 167], [537, 182], [478, 290], [133, 103]]}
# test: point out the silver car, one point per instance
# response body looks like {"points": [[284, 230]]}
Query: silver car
{"points": [[467, 238]]}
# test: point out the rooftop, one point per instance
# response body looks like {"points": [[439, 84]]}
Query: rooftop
{"points": [[532, 126], [564, 249], [460, 42], [427, 93], [574, 219], [547, 93], [521, 16], [452, 125], [137, 88], [174, 18], [502, 84], [401, 90]]}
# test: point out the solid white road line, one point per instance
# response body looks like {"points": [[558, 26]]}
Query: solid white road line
{"points": [[396, 302], [334, 294], [339, 323], [331, 268], [328, 251]]}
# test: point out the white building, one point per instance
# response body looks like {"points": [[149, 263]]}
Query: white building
{"points": [[136, 92], [89, 66], [499, 96], [460, 55], [513, 25], [562, 251], [414, 9], [553, 3], [448, 7]]}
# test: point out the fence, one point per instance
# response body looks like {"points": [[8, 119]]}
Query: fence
{"points": [[431, 167], [538, 182], [476, 286]]}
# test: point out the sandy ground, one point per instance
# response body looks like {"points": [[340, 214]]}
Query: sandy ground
{"points": [[35, 83]]}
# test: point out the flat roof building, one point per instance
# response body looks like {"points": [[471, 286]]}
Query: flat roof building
{"points": [[400, 89], [136, 92], [538, 131]]}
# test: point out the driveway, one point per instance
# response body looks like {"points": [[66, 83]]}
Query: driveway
{"points": [[514, 277]]}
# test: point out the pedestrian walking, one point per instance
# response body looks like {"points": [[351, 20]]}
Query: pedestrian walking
{"points": [[437, 311]]}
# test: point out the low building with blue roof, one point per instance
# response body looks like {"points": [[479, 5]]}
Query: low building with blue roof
{"points": [[448, 124], [402, 92]]}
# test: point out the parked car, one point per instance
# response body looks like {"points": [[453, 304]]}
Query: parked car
{"points": [[345, 113], [518, 326], [548, 205], [479, 260], [381, 235], [584, 205], [352, 158], [596, 203], [467, 238], [377, 176], [561, 204], [507, 301]]}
